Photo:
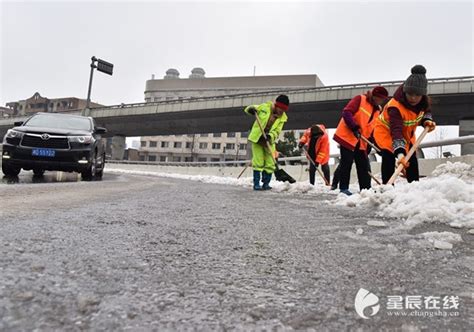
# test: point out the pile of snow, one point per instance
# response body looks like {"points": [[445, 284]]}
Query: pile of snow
{"points": [[281, 187], [459, 170], [445, 197]]}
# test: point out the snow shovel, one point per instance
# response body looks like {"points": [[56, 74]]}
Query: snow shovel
{"points": [[408, 156], [280, 174], [317, 168]]}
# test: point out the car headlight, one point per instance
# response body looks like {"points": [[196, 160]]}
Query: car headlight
{"points": [[81, 139], [14, 134], [13, 137]]}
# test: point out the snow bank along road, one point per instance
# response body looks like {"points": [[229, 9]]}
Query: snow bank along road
{"points": [[148, 252]]}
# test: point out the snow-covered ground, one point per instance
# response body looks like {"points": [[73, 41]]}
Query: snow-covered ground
{"points": [[444, 197]]}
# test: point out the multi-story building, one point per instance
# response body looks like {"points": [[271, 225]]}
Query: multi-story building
{"points": [[38, 103], [212, 146]]}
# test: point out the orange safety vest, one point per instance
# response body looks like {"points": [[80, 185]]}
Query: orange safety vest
{"points": [[321, 148], [365, 118], [382, 134]]}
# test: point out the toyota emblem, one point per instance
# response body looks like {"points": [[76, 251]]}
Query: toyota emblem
{"points": [[45, 137]]}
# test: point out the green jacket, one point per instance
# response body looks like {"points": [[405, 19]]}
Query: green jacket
{"points": [[264, 111]]}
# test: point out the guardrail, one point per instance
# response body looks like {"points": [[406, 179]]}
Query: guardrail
{"points": [[285, 160]]}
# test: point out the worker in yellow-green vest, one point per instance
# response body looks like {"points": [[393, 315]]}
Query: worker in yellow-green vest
{"points": [[272, 116]]}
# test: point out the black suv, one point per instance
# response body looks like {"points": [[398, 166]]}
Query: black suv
{"points": [[55, 142]]}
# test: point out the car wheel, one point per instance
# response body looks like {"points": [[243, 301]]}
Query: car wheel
{"points": [[9, 170], [38, 172], [100, 171], [91, 171]]}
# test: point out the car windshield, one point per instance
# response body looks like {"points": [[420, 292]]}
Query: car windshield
{"points": [[59, 121]]}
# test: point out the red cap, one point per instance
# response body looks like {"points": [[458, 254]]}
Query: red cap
{"points": [[380, 91], [281, 105]]}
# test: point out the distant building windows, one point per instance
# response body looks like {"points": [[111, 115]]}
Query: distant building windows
{"points": [[202, 160], [142, 158], [231, 134], [177, 145], [188, 159], [163, 159], [176, 159], [151, 158], [153, 144], [165, 144], [203, 146], [189, 145], [204, 135], [143, 144], [217, 134], [242, 146], [230, 146], [215, 159], [216, 146], [244, 134]]}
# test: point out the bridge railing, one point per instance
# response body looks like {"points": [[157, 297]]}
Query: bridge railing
{"points": [[285, 160], [446, 85]]}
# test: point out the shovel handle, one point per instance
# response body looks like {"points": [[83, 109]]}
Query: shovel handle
{"points": [[408, 156], [370, 143], [317, 168]]}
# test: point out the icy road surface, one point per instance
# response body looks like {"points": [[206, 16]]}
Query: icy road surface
{"points": [[146, 252]]}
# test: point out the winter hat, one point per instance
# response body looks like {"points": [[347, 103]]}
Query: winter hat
{"points": [[316, 130], [416, 83], [380, 91], [282, 102]]}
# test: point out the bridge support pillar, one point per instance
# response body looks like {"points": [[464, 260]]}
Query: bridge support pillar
{"points": [[466, 127], [118, 147]]}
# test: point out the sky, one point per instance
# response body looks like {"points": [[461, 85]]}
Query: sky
{"points": [[46, 46]]}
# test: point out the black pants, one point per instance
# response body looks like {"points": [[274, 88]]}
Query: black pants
{"points": [[360, 158], [336, 176], [312, 172], [388, 167]]}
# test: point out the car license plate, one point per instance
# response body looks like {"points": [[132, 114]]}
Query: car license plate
{"points": [[43, 152]]}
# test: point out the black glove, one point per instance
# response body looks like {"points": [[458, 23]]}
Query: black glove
{"points": [[300, 145], [316, 165], [356, 132], [252, 111]]}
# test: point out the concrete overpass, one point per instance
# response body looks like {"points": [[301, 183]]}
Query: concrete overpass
{"points": [[453, 104]]}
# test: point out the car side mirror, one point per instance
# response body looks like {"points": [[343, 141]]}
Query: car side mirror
{"points": [[100, 130], [17, 123]]}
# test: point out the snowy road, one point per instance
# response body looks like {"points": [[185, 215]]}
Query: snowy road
{"points": [[143, 252]]}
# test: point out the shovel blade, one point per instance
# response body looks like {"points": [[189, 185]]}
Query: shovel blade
{"points": [[282, 176]]}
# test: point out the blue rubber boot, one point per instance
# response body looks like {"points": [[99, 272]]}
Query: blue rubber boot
{"points": [[256, 180], [266, 178]]}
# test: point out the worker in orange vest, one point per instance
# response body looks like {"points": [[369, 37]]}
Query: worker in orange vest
{"points": [[358, 119], [316, 140], [395, 128]]}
